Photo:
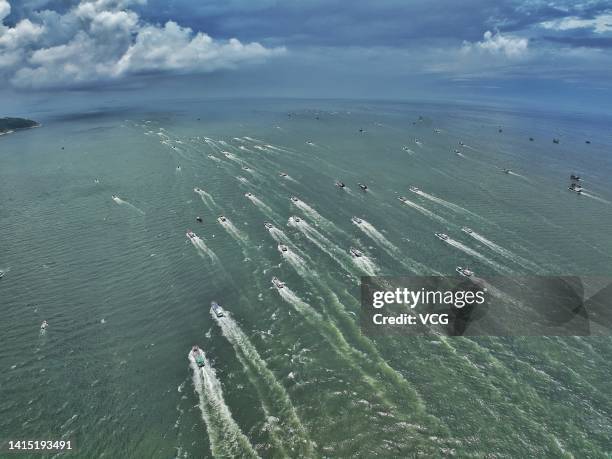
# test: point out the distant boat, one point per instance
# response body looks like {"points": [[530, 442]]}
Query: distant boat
{"points": [[575, 188], [356, 253], [555, 140], [277, 283], [363, 186], [464, 271], [442, 236]]}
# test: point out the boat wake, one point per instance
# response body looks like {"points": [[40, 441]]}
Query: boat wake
{"points": [[596, 198], [388, 247], [203, 249], [206, 198], [319, 240], [424, 211], [226, 438], [233, 231], [464, 248], [266, 209], [444, 203], [288, 430], [297, 263], [123, 202], [366, 265], [505, 252]]}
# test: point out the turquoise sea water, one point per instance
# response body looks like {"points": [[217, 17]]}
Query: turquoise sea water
{"points": [[127, 294]]}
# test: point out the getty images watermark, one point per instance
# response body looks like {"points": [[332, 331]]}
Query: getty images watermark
{"points": [[493, 306]]}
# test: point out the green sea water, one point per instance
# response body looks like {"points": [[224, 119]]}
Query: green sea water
{"points": [[289, 374]]}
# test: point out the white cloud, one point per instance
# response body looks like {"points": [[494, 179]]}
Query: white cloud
{"points": [[498, 44], [599, 24], [5, 9], [102, 40]]}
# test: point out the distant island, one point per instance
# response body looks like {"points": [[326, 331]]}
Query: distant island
{"points": [[8, 125]]}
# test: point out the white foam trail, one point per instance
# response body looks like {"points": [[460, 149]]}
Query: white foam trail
{"points": [[308, 210], [206, 198], [366, 265], [123, 202], [505, 252], [316, 216], [378, 237], [263, 206], [442, 202], [226, 438], [297, 262], [518, 175], [214, 158], [388, 247], [597, 198], [278, 235], [233, 231], [476, 254], [243, 180], [275, 400], [203, 249], [324, 244], [424, 211]]}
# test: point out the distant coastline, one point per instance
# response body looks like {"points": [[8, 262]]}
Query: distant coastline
{"points": [[10, 125]]}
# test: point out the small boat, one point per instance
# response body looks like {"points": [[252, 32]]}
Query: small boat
{"points": [[227, 154], [245, 168], [506, 171], [442, 236], [283, 248], [222, 219], [575, 177], [308, 142], [294, 199], [248, 195], [268, 225], [340, 184], [457, 152], [198, 356], [277, 283], [587, 141], [357, 220], [199, 219], [437, 131], [555, 140], [464, 271], [361, 130], [414, 189], [355, 253], [1, 274], [461, 144], [197, 190], [283, 174], [190, 234], [44, 325], [465, 229], [115, 196], [575, 187], [531, 139], [363, 186], [216, 309], [403, 198], [295, 219]]}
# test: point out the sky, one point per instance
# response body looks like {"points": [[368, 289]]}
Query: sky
{"points": [[538, 52]]}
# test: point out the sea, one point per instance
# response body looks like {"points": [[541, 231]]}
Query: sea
{"points": [[94, 210]]}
